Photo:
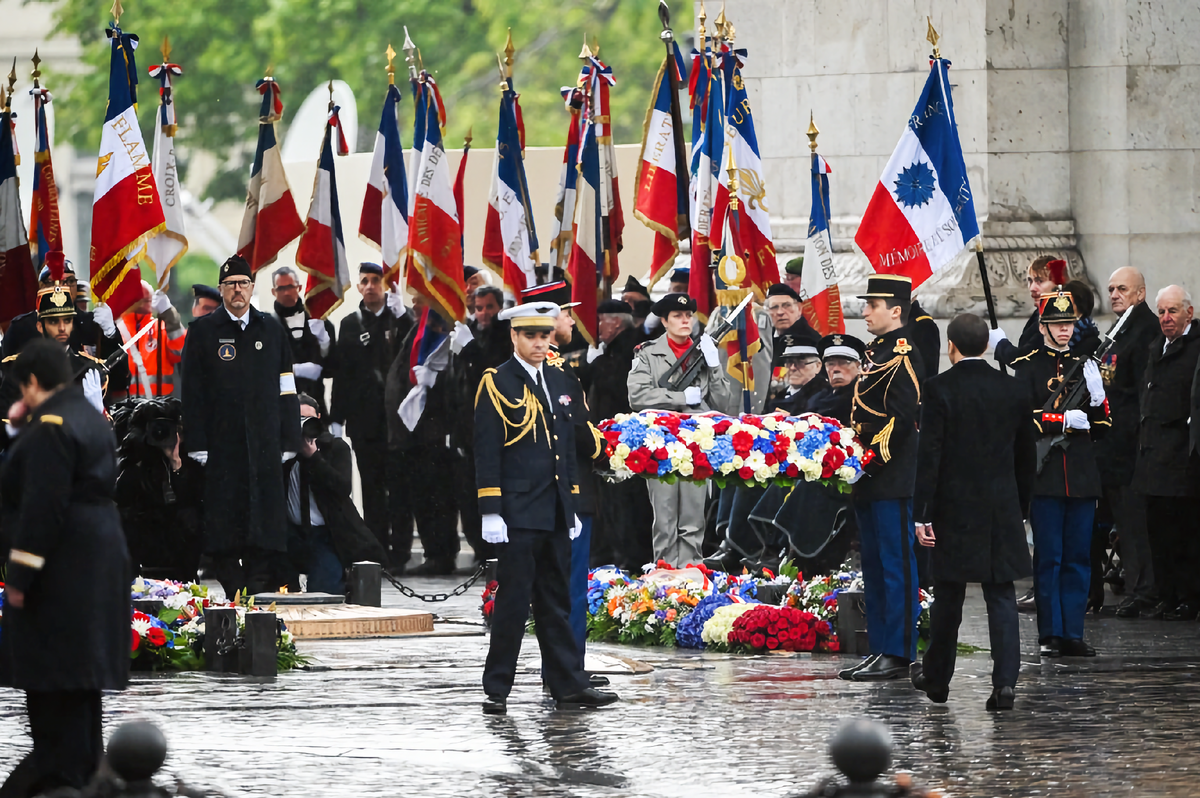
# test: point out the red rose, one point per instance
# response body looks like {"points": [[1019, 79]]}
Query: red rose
{"points": [[835, 437], [772, 643], [136, 640], [488, 606], [834, 459], [661, 454], [758, 641], [772, 629], [155, 636], [721, 427], [769, 458], [742, 441], [793, 470], [753, 421], [745, 472]]}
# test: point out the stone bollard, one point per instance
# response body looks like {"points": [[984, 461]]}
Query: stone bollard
{"points": [[365, 586], [259, 654], [220, 640], [136, 751], [851, 625]]}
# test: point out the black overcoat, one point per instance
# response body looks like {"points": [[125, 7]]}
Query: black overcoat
{"points": [[239, 405], [66, 552], [833, 402], [975, 470], [1031, 337], [1164, 467], [307, 349], [928, 339], [608, 393], [1123, 368], [366, 345]]}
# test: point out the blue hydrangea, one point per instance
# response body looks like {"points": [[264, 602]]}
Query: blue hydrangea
{"points": [[687, 633], [721, 453], [764, 445]]}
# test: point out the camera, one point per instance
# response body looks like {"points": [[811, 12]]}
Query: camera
{"points": [[161, 432], [311, 428]]}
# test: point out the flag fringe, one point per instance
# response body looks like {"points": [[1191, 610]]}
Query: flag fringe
{"points": [[119, 258]]}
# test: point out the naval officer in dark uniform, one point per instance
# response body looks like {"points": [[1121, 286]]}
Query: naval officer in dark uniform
{"points": [[884, 415], [527, 481], [242, 420]]}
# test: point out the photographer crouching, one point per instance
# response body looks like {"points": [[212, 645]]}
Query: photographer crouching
{"points": [[325, 531]]}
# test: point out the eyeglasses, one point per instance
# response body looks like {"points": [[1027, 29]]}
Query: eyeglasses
{"points": [[236, 283]]}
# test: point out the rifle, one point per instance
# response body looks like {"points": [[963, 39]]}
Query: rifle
{"points": [[115, 358], [685, 369], [1074, 398]]}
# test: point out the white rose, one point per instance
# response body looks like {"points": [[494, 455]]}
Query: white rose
{"points": [[622, 450]]}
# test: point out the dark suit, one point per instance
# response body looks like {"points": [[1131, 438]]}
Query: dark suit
{"points": [[928, 339], [975, 469], [1031, 337], [525, 471]]}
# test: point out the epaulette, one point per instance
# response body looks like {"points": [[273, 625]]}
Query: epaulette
{"points": [[554, 358], [1023, 358], [9, 359], [49, 419], [923, 318]]}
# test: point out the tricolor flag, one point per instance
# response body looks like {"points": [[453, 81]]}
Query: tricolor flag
{"points": [[562, 233], [18, 281], [270, 221], [510, 245], [708, 143], [660, 199], [587, 248], [922, 213], [742, 343], [434, 260], [819, 296], [165, 250], [762, 270], [126, 209], [44, 222], [322, 249], [384, 221]]}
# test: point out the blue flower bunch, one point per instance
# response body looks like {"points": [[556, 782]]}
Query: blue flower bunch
{"points": [[687, 633]]}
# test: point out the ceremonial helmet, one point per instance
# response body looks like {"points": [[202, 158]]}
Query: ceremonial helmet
{"points": [[1057, 307], [54, 301]]}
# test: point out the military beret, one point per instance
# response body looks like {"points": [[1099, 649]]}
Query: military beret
{"points": [[633, 286], [663, 307], [469, 272], [614, 306], [681, 275], [367, 267], [236, 266], [780, 289], [201, 291], [795, 266]]}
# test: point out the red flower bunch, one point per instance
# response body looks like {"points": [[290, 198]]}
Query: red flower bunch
{"points": [[832, 461], [775, 628], [489, 599], [156, 637], [742, 441]]}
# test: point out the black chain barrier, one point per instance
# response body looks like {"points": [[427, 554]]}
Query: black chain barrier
{"points": [[435, 597]]}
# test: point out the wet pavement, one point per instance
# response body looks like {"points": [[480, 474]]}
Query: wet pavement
{"points": [[401, 716]]}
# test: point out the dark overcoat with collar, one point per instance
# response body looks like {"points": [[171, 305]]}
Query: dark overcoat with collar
{"points": [[240, 406], [976, 464], [525, 458], [1164, 465]]}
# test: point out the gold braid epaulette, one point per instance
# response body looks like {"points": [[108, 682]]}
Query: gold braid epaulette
{"points": [[528, 403], [600, 441]]}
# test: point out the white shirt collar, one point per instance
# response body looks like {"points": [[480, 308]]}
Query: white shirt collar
{"points": [[242, 320], [964, 359], [533, 371]]}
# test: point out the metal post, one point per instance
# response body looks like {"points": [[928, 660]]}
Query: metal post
{"points": [[259, 653], [220, 640], [365, 585]]}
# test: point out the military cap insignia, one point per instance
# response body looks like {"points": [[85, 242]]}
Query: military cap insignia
{"points": [[902, 346], [58, 298], [1062, 303], [787, 340], [837, 340]]}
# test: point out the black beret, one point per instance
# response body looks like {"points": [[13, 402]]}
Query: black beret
{"points": [[234, 267], [780, 289], [681, 275], [633, 286], [201, 291], [663, 307], [614, 306], [367, 267], [469, 272]]}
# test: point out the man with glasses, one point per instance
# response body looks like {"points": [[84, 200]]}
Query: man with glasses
{"points": [[243, 421], [783, 307], [311, 339]]}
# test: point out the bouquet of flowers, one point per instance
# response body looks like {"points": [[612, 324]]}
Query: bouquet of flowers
{"points": [[819, 594], [764, 628], [489, 601], [718, 628], [757, 450]]}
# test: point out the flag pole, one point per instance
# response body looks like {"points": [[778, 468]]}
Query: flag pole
{"points": [[668, 38]]}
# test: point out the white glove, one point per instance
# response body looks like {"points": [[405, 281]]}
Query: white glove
{"points": [[461, 336], [996, 336], [1075, 419], [709, 348], [284, 457], [160, 303], [693, 396], [103, 316], [494, 528], [336, 429], [11, 430], [1095, 383], [395, 303], [595, 352], [576, 530], [199, 457], [317, 328], [307, 371], [92, 390]]}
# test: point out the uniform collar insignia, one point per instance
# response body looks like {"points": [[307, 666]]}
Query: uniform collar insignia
{"points": [[902, 346]]}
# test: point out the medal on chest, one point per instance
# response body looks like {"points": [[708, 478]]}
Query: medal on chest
{"points": [[226, 351]]}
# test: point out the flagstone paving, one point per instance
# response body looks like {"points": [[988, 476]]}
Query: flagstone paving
{"points": [[401, 717]]}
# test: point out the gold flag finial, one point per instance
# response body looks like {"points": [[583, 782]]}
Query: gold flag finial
{"points": [[116, 11], [720, 22], [270, 70], [813, 132], [166, 49], [596, 46], [3, 98], [37, 72], [331, 95], [500, 69], [467, 139], [509, 49], [12, 79], [932, 37], [586, 52], [733, 178], [391, 67]]}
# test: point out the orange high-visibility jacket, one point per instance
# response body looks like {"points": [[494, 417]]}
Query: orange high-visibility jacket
{"points": [[146, 359]]}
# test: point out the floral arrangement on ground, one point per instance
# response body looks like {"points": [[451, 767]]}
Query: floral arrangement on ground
{"points": [[755, 450]]}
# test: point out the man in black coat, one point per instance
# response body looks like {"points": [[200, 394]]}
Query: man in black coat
{"points": [[842, 355], [787, 319], [1167, 473], [926, 337], [311, 339], [975, 469], [65, 634], [241, 421], [1116, 453], [367, 341], [527, 480]]}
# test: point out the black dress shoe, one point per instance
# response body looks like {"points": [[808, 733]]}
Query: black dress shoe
{"points": [[847, 674], [1131, 607], [1186, 611], [588, 699], [937, 695], [883, 668], [1001, 698], [1077, 648], [1155, 612], [1051, 647], [1027, 603], [723, 559], [493, 705], [596, 680]]}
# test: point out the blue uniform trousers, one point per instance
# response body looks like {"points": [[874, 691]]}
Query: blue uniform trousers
{"points": [[886, 536], [1062, 538], [581, 549]]}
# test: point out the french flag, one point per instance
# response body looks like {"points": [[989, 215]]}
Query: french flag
{"points": [[922, 213], [126, 209], [18, 281], [762, 270], [509, 238], [434, 259], [819, 295], [322, 249], [660, 194], [384, 221], [583, 269], [708, 142], [562, 234], [44, 227], [270, 221]]}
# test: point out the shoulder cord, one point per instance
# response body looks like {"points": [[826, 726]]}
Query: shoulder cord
{"points": [[528, 403]]}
